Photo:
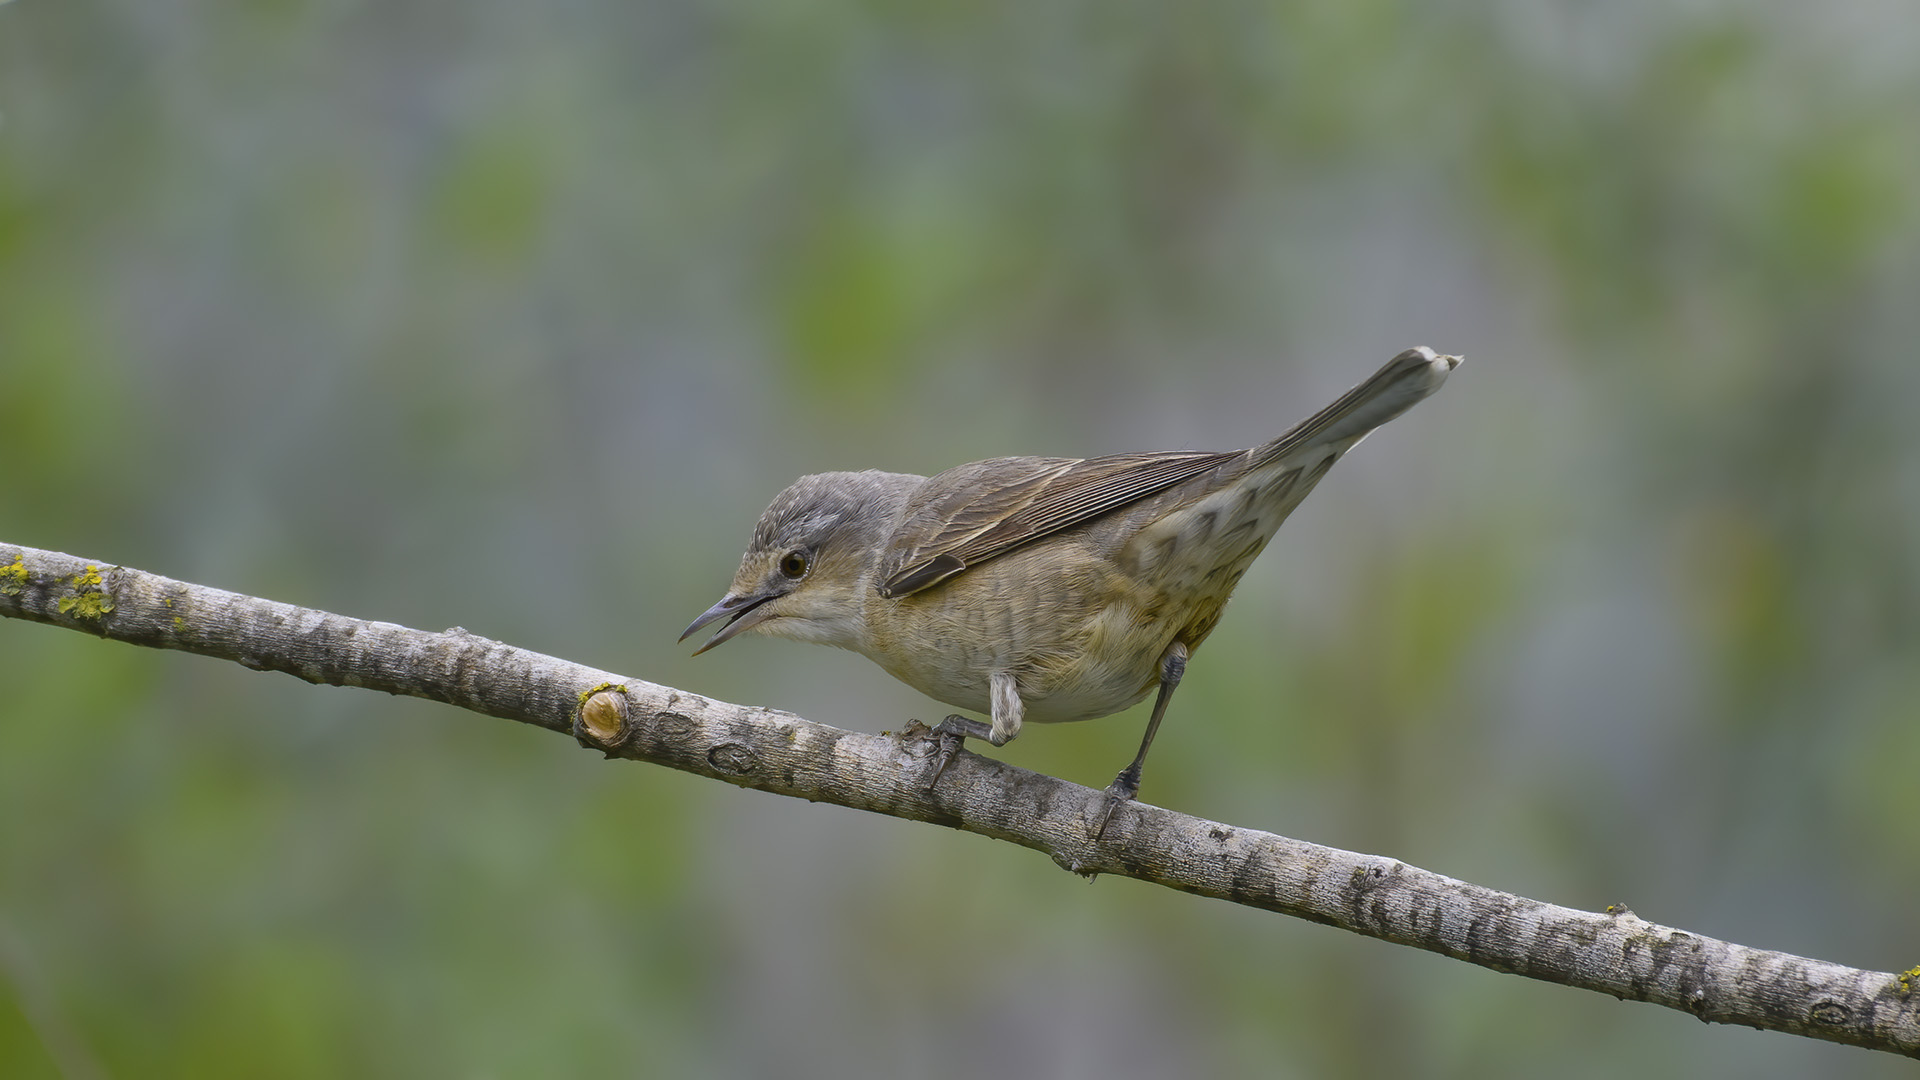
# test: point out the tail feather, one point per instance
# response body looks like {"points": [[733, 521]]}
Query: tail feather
{"points": [[1404, 382]]}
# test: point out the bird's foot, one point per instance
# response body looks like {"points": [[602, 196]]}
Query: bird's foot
{"points": [[951, 734], [1121, 791]]}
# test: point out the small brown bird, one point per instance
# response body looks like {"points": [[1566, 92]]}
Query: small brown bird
{"points": [[1044, 589]]}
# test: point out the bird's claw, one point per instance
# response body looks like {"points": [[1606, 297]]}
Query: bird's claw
{"points": [[1119, 793], [949, 744], [951, 736]]}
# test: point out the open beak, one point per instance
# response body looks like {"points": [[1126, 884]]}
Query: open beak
{"points": [[742, 612]]}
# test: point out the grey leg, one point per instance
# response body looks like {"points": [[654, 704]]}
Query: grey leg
{"points": [[1173, 665]]}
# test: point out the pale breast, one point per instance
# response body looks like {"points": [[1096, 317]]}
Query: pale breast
{"points": [[1062, 619]]}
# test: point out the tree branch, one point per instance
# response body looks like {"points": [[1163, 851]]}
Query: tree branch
{"points": [[1613, 952]]}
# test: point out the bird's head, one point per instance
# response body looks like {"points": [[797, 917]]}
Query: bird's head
{"points": [[805, 573]]}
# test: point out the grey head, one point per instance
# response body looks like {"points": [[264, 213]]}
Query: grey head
{"points": [[807, 568]]}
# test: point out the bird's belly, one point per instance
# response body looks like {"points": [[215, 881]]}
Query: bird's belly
{"points": [[1080, 687], [1096, 687], [1069, 627]]}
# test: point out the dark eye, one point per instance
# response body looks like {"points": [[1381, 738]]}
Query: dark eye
{"points": [[794, 564]]}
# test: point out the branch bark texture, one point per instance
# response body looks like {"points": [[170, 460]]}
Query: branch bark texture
{"points": [[1613, 952]]}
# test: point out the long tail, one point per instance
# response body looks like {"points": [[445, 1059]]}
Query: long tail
{"points": [[1402, 383]]}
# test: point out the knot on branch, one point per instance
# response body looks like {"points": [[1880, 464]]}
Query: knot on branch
{"points": [[604, 719]]}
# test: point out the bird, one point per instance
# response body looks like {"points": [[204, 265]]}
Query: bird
{"points": [[1039, 588]]}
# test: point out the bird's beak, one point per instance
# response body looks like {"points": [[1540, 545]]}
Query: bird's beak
{"points": [[746, 612]]}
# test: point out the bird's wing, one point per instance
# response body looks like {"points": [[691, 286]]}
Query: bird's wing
{"points": [[974, 512]]}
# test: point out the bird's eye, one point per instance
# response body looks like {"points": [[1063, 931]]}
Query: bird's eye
{"points": [[794, 564]]}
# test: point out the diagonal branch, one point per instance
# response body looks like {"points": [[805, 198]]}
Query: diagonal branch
{"points": [[1613, 952]]}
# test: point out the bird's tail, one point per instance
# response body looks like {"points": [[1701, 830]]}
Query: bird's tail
{"points": [[1403, 382]]}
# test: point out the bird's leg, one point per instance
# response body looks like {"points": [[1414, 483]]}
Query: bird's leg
{"points": [[1173, 664], [955, 730]]}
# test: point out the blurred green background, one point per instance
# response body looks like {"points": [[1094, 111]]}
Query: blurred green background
{"points": [[513, 316]]}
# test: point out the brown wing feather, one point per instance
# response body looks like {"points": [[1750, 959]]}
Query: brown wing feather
{"points": [[973, 513], [978, 511]]}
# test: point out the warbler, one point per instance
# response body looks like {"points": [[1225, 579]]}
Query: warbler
{"points": [[1043, 589]]}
